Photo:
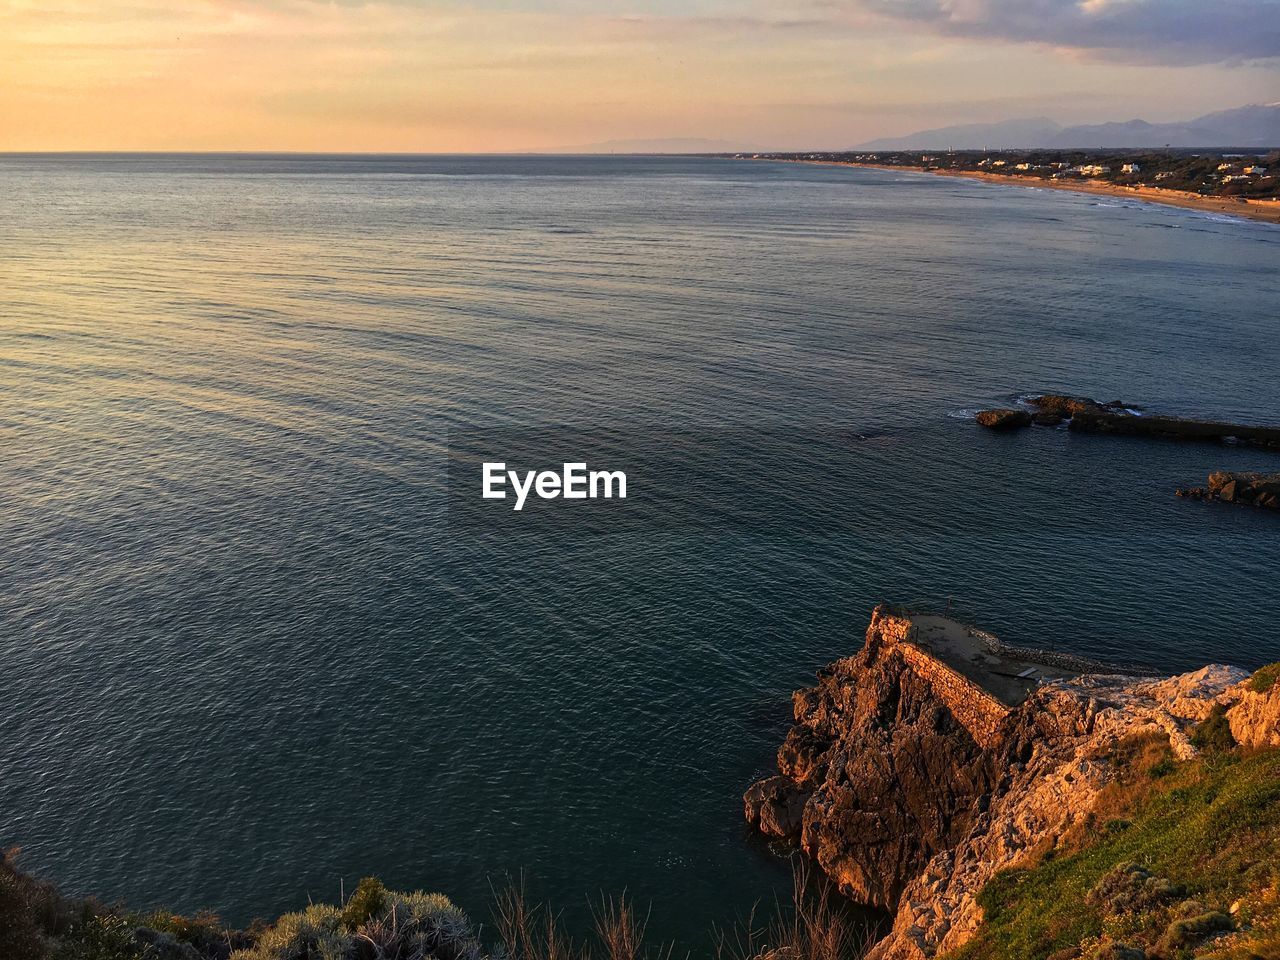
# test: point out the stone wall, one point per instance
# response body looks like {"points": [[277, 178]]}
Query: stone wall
{"points": [[979, 711]]}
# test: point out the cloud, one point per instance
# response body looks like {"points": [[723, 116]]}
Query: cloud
{"points": [[1126, 31]]}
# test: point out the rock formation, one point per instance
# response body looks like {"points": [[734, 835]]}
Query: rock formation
{"points": [[1004, 419], [911, 792], [1251, 489], [1113, 417]]}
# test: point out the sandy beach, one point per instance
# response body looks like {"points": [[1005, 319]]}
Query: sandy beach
{"points": [[1267, 211]]}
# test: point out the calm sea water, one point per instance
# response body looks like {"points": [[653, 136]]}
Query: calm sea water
{"points": [[247, 649]]}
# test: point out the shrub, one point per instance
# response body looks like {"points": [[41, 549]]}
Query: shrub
{"points": [[433, 920], [104, 937], [374, 923], [19, 934], [1118, 951], [1161, 768], [1265, 678], [1213, 733], [1130, 888], [316, 933], [1191, 930], [367, 902]]}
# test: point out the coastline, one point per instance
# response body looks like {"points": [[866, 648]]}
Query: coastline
{"points": [[1032, 762], [1264, 211]]}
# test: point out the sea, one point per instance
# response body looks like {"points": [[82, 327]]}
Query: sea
{"points": [[261, 635]]}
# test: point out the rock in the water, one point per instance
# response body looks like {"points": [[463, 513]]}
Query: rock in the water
{"points": [[775, 806], [1117, 418], [1120, 423], [1004, 419], [1251, 489], [1066, 406]]}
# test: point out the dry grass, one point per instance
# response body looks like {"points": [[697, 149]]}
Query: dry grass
{"points": [[375, 923], [1140, 763], [528, 931], [816, 925]]}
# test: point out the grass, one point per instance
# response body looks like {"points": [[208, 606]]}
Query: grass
{"points": [[1199, 838]]}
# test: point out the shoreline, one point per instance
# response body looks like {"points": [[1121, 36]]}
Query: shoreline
{"points": [[1262, 211]]}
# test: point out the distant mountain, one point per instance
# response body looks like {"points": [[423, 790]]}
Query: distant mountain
{"points": [[972, 136], [660, 145], [1256, 125]]}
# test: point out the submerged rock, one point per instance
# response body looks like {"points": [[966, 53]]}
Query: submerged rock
{"points": [[1176, 428]]}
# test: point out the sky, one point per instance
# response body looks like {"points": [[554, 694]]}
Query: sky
{"points": [[513, 75]]}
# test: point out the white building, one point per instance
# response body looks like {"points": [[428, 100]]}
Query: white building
{"points": [[1131, 168], [1256, 170]]}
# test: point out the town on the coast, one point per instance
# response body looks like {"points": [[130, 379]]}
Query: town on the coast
{"points": [[1225, 174]]}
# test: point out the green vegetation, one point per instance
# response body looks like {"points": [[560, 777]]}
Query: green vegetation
{"points": [[375, 922], [37, 923], [1192, 873], [1213, 733], [1264, 678]]}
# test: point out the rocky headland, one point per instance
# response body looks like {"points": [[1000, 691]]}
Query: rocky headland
{"points": [[1086, 415], [936, 757]]}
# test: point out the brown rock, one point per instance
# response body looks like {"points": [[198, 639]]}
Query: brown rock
{"points": [[910, 802], [1255, 489], [1004, 419], [1065, 406], [895, 777], [1255, 717], [775, 807]]}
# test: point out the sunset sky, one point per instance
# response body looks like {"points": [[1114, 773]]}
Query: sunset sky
{"points": [[422, 75]]}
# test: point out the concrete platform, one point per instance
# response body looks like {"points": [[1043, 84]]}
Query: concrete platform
{"points": [[1006, 675]]}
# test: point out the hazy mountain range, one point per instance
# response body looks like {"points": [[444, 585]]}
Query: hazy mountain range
{"points": [[1257, 125]]}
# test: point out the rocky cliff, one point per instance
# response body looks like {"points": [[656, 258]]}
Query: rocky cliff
{"points": [[911, 792]]}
